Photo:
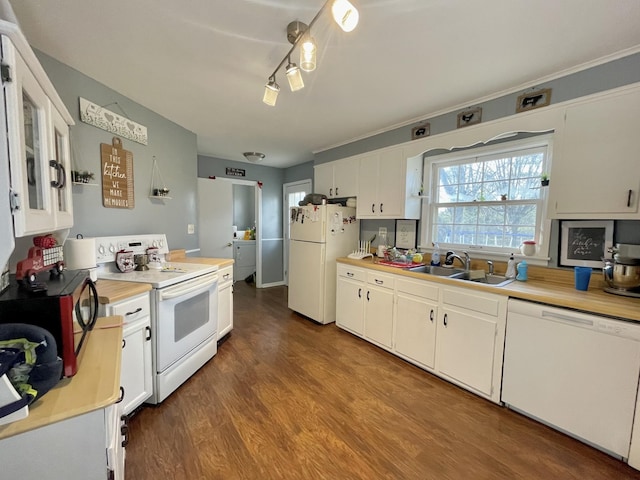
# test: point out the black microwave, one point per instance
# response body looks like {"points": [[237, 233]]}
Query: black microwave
{"points": [[68, 309]]}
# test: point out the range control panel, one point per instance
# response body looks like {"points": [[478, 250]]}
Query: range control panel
{"points": [[107, 247]]}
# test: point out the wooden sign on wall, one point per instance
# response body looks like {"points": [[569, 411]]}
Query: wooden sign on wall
{"points": [[117, 175]]}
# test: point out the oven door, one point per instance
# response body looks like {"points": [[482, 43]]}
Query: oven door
{"points": [[185, 316]]}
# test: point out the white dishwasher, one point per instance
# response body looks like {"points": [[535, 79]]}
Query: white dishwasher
{"points": [[573, 371]]}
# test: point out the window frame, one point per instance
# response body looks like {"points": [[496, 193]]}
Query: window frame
{"points": [[466, 155]]}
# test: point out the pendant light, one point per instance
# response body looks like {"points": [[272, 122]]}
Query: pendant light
{"points": [[308, 53], [294, 76], [271, 90]]}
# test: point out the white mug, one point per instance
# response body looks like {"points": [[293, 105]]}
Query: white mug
{"points": [[528, 248]]}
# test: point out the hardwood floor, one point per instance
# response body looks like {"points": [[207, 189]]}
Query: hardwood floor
{"points": [[285, 398]]}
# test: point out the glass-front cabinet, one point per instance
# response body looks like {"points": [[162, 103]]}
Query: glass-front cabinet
{"points": [[38, 138]]}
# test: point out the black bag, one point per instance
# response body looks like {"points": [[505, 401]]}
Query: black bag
{"points": [[28, 356]]}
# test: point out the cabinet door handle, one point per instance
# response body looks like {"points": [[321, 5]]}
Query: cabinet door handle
{"points": [[629, 198], [336, 191], [445, 320], [431, 316], [373, 208], [124, 430], [124, 343], [331, 192], [60, 181], [381, 209], [137, 310], [359, 293], [226, 276], [367, 295], [379, 282], [121, 395], [148, 330], [349, 274]]}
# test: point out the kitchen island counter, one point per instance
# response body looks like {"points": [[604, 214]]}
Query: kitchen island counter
{"points": [[545, 285], [95, 386]]}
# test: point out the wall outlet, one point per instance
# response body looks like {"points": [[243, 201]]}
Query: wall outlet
{"points": [[191, 229], [382, 231]]}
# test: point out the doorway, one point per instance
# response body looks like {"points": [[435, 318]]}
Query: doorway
{"points": [[216, 219], [292, 193]]}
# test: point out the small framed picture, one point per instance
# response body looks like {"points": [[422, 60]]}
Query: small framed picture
{"points": [[469, 117], [586, 243], [406, 233], [420, 131], [531, 100]]}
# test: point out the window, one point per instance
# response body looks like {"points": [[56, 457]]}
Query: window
{"points": [[490, 199]]}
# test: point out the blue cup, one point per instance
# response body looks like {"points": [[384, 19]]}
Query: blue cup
{"points": [[582, 275]]}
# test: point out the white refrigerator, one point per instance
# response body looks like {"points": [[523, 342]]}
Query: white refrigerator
{"points": [[318, 235]]}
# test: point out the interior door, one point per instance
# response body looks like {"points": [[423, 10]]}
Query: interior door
{"points": [[215, 218], [293, 193]]}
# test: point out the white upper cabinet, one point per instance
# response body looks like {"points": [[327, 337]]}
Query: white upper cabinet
{"points": [[596, 170], [337, 179], [39, 153], [388, 185]]}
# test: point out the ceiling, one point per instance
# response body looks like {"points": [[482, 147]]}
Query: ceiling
{"points": [[203, 63]]}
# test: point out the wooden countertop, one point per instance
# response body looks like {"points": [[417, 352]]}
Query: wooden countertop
{"points": [[95, 386], [112, 291], [545, 285], [181, 256]]}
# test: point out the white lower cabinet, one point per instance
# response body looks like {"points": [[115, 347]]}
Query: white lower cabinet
{"points": [[136, 380], [73, 449], [350, 294], [415, 321], [470, 341], [378, 309], [455, 332], [225, 301]]}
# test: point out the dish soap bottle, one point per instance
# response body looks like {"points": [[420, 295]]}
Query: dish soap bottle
{"points": [[435, 255], [522, 271], [511, 268]]}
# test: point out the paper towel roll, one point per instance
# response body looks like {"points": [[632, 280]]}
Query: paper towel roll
{"points": [[79, 253]]}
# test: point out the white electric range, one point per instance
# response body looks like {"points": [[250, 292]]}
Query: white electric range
{"points": [[184, 302]]}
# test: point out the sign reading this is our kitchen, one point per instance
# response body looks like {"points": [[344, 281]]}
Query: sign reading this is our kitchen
{"points": [[117, 175]]}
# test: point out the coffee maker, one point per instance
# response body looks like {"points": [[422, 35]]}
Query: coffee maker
{"points": [[622, 274]]}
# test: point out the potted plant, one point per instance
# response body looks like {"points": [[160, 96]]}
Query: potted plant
{"points": [[544, 179]]}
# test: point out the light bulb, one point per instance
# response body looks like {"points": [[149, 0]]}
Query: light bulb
{"points": [[345, 15], [295, 77], [308, 54]]}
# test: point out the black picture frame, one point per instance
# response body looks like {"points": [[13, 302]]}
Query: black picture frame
{"points": [[585, 243]]}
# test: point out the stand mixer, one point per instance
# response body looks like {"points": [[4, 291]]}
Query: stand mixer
{"points": [[622, 275]]}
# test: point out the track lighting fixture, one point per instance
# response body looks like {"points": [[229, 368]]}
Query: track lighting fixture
{"points": [[344, 14]]}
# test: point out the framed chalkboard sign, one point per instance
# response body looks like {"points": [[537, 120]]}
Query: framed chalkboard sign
{"points": [[406, 233], [585, 243]]}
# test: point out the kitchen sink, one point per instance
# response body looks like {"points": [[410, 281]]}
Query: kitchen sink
{"points": [[493, 280], [439, 271]]}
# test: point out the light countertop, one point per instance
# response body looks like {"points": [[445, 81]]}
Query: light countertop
{"points": [[96, 385]]}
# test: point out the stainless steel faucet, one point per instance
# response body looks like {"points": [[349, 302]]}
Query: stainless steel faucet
{"points": [[490, 265], [466, 262]]}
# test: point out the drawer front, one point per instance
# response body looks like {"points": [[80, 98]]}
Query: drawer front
{"points": [[485, 303], [133, 309], [380, 279], [225, 277], [353, 273], [422, 289]]}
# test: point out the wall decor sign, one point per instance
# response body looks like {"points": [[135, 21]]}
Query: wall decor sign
{"points": [[406, 233], [586, 243], [112, 122], [235, 172], [420, 131], [469, 117], [117, 175], [531, 100]]}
